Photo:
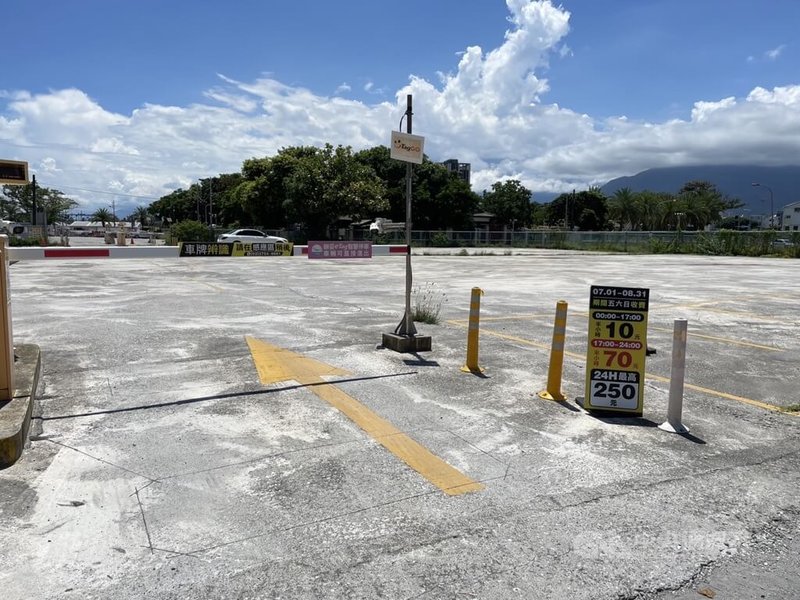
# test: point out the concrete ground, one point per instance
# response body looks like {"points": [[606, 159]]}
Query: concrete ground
{"points": [[161, 467]]}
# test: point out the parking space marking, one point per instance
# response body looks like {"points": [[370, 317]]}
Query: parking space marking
{"points": [[722, 339], [582, 358], [725, 311], [649, 327], [276, 364], [517, 318]]}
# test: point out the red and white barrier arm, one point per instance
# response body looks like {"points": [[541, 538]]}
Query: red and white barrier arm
{"points": [[18, 253]]}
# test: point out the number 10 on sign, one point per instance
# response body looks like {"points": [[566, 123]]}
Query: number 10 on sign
{"points": [[617, 349]]}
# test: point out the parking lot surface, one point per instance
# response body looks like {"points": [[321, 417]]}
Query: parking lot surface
{"points": [[231, 428]]}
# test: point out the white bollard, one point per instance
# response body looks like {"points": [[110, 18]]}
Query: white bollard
{"points": [[673, 423]]}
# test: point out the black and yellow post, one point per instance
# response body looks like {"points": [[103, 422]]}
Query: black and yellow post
{"points": [[553, 391], [473, 331]]}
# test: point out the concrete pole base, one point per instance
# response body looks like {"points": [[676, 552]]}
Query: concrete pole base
{"points": [[673, 427], [557, 396], [405, 343]]}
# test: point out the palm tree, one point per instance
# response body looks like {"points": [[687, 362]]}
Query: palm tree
{"points": [[103, 215], [142, 215], [624, 208], [654, 209]]}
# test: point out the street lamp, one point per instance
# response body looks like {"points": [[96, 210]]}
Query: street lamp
{"points": [[771, 208]]}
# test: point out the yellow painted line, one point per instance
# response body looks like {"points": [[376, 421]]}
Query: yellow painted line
{"points": [[735, 313], [517, 318], [722, 339], [697, 388], [650, 327], [707, 337], [278, 364]]}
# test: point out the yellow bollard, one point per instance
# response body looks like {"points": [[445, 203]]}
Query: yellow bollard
{"points": [[472, 332], [553, 391]]}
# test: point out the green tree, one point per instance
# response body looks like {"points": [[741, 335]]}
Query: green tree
{"points": [[655, 209], [703, 203], [329, 183], [176, 206], [586, 210], [510, 202], [140, 214], [439, 199], [538, 214], [393, 175], [17, 203], [216, 201], [191, 231], [261, 194], [452, 207], [623, 209], [103, 215]]}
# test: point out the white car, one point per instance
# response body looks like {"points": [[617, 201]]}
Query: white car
{"points": [[249, 236]]}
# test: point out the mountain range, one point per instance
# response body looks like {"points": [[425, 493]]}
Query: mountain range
{"points": [[734, 181]]}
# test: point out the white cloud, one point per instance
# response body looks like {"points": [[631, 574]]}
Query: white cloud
{"points": [[768, 56], [490, 110], [48, 165], [343, 88], [775, 52]]}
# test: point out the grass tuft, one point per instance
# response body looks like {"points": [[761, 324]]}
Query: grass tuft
{"points": [[427, 303]]}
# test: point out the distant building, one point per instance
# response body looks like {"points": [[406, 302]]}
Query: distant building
{"points": [[459, 168], [791, 217]]}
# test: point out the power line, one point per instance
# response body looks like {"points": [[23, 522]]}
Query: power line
{"points": [[66, 187]]}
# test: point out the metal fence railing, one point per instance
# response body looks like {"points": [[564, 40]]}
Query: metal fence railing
{"points": [[753, 243]]}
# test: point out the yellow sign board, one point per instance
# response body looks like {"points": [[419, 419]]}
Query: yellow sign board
{"points": [[617, 349], [219, 249]]}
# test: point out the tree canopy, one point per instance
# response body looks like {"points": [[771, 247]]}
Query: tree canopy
{"points": [[510, 202], [16, 203], [585, 210], [315, 189], [696, 205]]}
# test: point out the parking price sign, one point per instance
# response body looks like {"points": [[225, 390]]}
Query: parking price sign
{"points": [[617, 349]]}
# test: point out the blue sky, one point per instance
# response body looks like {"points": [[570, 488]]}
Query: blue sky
{"points": [[137, 98]]}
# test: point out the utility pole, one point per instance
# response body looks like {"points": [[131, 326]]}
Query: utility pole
{"points": [[406, 326], [405, 338], [210, 203], [566, 210], [33, 206]]}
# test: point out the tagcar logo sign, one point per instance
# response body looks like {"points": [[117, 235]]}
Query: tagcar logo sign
{"points": [[407, 147]]}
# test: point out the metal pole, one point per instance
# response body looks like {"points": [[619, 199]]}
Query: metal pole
{"points": [[33, 209], [406, 326], [771, 210], [673, 423], [566, 211]]}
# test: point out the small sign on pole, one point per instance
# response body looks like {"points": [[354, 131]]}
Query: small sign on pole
{"points": [[617, 349], [407, 147]]}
